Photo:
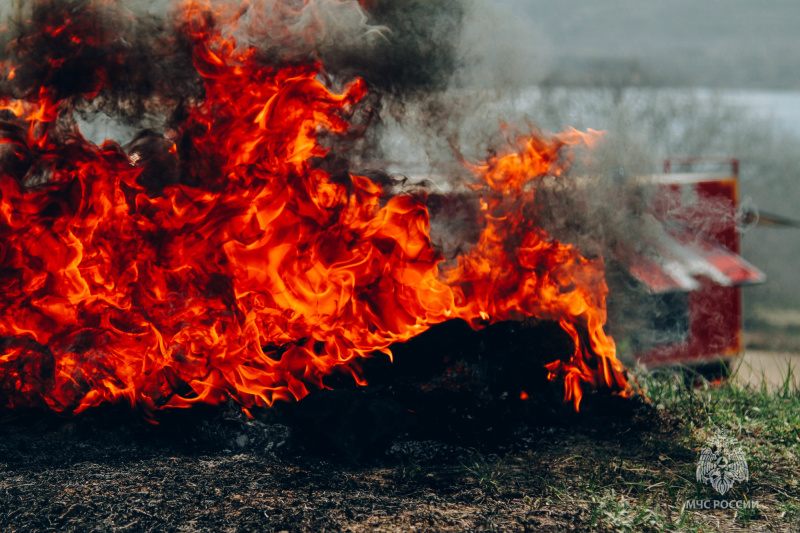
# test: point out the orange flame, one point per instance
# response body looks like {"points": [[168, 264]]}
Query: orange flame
{"points": [[257, 281]]}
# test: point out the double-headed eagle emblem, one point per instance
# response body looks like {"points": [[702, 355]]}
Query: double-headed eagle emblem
{"points": [[722, 463]]}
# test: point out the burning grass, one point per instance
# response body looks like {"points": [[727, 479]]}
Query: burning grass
{"points": [[237, 252], [619, 465]]}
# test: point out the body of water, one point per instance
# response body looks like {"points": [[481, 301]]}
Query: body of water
{"points": [[595, 108], [780, 107], [583, 108]]}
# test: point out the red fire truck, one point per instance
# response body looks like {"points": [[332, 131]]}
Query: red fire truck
{"points": [[693, 274]]}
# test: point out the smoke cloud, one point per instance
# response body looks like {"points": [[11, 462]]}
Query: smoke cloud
{"points": [[447, 80]]}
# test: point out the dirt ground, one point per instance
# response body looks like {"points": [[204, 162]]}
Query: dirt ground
{"points": [[774, 369]]}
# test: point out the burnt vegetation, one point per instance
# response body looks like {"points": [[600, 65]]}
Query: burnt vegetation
{"points": [[619, 465]]}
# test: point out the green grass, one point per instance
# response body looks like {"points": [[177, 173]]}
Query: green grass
{"points": [[636, 475], [767, 424], [488, 475]]}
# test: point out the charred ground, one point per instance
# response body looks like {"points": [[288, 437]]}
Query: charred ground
{"points": [[433, 444], [420, 446], [214, 470]]}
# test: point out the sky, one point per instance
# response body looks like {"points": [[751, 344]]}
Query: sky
{"points": [[719, 43]]}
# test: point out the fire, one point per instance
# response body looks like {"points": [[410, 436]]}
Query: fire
{"points": [[262, 271]]}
